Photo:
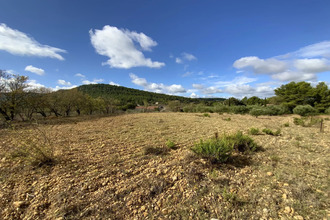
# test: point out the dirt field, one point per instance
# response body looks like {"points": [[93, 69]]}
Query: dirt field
{"points": [[120, 168]]}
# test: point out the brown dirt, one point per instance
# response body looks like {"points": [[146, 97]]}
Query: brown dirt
{"points": [[120, 168]]}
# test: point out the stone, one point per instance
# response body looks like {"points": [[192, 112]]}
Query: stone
{"points": [[287, 209], [284, 196], [269, 174], [298, 217]]}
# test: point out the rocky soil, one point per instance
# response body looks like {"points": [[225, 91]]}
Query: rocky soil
{"points": [[120, 168]]}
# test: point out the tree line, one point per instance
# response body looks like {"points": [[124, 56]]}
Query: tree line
{"points": [[17, 100]]}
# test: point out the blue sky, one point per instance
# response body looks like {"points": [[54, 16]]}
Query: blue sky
{"points": [[206, 48]]}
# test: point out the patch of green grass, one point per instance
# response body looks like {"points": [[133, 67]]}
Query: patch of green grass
{"points": [[170, 144], [254, 131], [307, 121], [270, 132], [206, 115], [220, 149]]}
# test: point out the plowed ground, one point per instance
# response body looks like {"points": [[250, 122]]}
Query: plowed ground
{"points": [[120, 168]]}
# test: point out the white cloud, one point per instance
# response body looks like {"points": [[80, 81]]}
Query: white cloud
{"points": [[118, 45], [193, 95], [260, 66], [63, 87], [113, 84], [19, 43], [35, 70], [236, 81], [197, 86], [187, 74], [188, 56], [300, 65], [34, 85], [321, 49], [178, 60], [157, 87], [294, 76], [80, 75], [247, 90], [95, 81], [185, 57], [312, 65], [63, 82], [207, 90]]}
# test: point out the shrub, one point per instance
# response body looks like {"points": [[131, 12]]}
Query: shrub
{"points": [[270, 132], [36, 151], [306, 122], [327, 111], [304, 110], [206, 115], [254, 131], [257, 112], [220, 149], [287, 124], [241, 109], [170, 144], [221, 109]]}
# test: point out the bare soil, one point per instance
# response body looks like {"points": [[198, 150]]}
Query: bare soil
{"points": [[120, 168]]}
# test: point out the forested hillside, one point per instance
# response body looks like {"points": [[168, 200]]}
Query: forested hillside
{"points": [[128, 95]]}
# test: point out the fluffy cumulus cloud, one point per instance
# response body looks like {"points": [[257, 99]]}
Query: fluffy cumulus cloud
{"points": [[19, 43], [34, 85], [95, 81], [312, 65], [123, 47], [63, 82], [248, 90], [260, 66], [35, 70], [113, 84], [301, 65], [157, 87]]}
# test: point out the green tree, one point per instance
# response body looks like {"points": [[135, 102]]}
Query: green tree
{"points": [[293, 94], [322, 97]]}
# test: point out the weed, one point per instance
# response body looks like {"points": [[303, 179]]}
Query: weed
{"points": [[254, 131], [220, 149], [170, 144], [270, 132], [307, 121], [35, 152], [287, 124], [206, 115], [227, 119]]}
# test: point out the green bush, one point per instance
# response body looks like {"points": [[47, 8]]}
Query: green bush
{"points": [[254, 131], [287, 124], [270, 132], [258, 111], [304, 110], [240, 109], [327, 111], [220, 149], [206, 115], [170, 144], [221, 109]]}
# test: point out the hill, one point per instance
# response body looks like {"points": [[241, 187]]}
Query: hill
{"points": [[127, 95]]}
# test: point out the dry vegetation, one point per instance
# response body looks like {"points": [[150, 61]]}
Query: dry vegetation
{"points": [[123, 168]]}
